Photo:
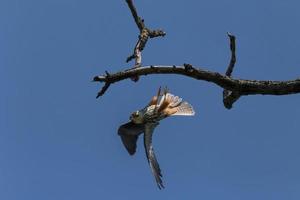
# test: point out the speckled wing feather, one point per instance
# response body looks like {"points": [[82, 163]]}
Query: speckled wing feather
{"points": [[149, 128], [129, 133]]}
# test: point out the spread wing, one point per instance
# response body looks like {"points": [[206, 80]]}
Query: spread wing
{"points": [[149, 128], [129, 133]]}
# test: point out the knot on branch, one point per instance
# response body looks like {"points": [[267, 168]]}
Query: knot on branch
{"points": [[188, 67]]}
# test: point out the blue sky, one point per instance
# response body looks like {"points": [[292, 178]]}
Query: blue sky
{"points": [[58, 142]]}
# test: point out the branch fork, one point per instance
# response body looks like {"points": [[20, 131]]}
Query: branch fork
{"points": [[145, 34]]}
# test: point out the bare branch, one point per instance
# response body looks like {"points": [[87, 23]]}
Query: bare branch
{"points": [[103, 90], [233, 57], [139, 47], [239, 86], [233, 89], [145, 34], [229, 97], [139, 21], [156, 33], [106, 85]]}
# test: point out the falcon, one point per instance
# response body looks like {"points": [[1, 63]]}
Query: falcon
{"points": [[145, 120]]}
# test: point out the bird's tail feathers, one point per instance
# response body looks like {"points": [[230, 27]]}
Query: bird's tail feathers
{"points": [[184, 109]]}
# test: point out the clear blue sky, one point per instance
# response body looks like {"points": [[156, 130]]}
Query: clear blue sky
{"points": [[58, 142]]}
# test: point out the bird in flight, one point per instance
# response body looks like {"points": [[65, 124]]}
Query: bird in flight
{"points": [[145, 120]]}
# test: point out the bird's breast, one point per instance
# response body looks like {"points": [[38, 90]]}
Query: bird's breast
{"points": [[151, 114]]}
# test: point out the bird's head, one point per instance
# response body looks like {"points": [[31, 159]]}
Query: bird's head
{"points": [[136, 117]]}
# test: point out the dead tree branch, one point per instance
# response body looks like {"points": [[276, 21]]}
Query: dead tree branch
{"points": [[145, 34], [139, 21], [233, 57], [241, 86], [229, 96], [233, 89]]}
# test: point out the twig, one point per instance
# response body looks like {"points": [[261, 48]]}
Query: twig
{"points": [[233, 57], [103, 90], [139, 21], [156, 33], [229, 97]]}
